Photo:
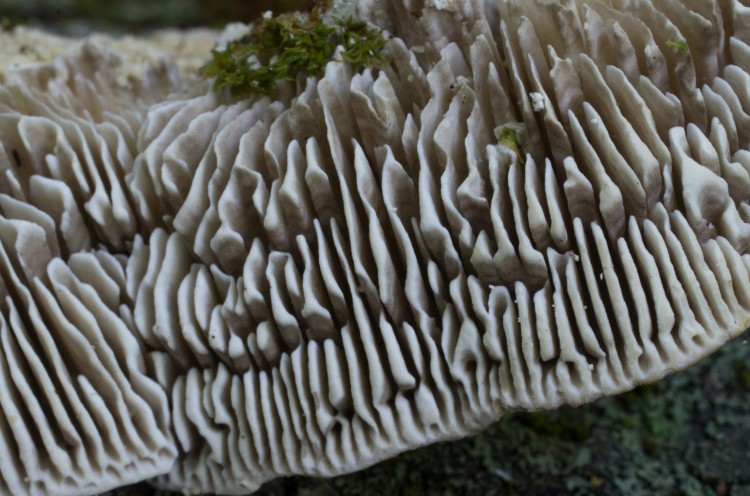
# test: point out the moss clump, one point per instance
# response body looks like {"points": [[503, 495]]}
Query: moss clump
{"points": [[283, 47]]}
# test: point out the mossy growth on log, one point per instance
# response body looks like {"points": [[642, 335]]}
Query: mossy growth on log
{"points": [[283, 47]]}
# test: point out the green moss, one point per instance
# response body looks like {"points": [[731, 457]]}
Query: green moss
{"points": [[286, 46], [363, 46]]}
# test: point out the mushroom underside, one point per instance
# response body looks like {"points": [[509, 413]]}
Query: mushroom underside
{"points": [[533, 203]]}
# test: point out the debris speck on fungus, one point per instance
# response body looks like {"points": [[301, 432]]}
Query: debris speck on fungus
{"points": [[680, 45], [509, 137]]}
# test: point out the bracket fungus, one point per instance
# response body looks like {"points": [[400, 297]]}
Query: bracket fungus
{"points": [[530, 203]]}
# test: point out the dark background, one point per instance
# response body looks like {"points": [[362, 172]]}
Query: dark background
{"points": [[79, 17]]}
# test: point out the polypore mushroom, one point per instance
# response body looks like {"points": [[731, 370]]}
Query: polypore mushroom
{"points": [[533, 203], [81, 413]]}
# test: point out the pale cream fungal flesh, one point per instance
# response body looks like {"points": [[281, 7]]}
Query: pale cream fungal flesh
{"points": [[216, 292]]}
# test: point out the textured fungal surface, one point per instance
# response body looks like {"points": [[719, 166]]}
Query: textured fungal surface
{"points": [[532, 203], [79, 410]]}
